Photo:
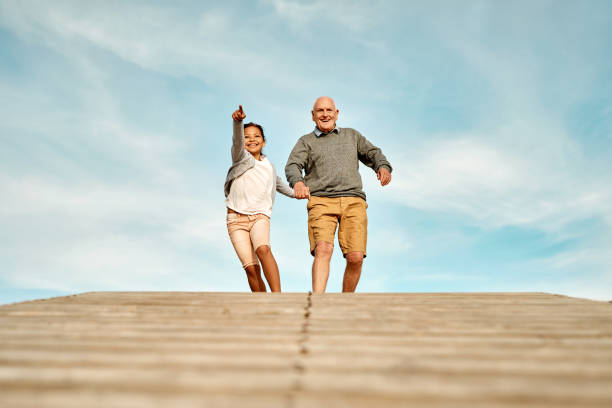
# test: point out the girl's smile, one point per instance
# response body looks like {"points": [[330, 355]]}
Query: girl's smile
{"points": [[253, 141]]}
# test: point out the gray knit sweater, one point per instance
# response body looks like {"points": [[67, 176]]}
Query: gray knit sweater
{"points": [[243, 161], [330, 162]]}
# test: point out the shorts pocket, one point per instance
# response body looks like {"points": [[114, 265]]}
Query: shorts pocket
{"points": [[312, 201], [232, 218]]}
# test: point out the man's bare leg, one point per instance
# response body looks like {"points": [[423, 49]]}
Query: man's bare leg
{"points": [[254, 277], [320, 266], [352, 273], [270, 268]]}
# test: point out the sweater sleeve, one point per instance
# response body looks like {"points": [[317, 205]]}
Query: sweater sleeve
{"points": [[283, 187], [296, 163], [238, 150], [371, 155]]}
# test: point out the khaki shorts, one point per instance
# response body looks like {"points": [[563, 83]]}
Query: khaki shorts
{"points": [[324, 213], [248, 232]]}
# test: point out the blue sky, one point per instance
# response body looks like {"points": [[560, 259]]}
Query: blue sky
{"points": [[116, 128]]}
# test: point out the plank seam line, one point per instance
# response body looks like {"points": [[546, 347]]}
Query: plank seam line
{"points": [[298, 366]]}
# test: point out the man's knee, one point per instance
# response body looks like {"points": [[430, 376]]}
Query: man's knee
{"points": [[324, 249], [263, 250], [354, 258]]}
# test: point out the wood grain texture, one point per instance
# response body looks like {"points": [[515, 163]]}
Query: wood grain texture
{"points": [[177, 349]]}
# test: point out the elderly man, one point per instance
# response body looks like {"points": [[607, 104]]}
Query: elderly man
{"points": [[329, 159]]}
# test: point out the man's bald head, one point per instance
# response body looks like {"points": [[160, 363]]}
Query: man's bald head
{"points": [[325, 114], [324, 99]]}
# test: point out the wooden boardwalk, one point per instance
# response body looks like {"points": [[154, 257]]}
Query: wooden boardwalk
{"points": [[163, 349]]}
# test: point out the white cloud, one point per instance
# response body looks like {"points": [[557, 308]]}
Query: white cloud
{"points": [[300, 12], [202, 45], [390, 241], [96, 201], [352, 15], [519, 164], [104, 236], [593, 281], [495, 186]]}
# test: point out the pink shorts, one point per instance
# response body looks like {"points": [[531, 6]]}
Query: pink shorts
{"points": [[248, 232]]}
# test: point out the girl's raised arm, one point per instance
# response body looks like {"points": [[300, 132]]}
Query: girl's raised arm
{"points": [[238, 150]]}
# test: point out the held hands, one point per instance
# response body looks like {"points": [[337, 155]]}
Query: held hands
{"points": [[301, 191], [384, 176], [238, 114]]}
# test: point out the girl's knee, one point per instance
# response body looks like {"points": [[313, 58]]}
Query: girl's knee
{"points": [[263, 250], [252, 270]]}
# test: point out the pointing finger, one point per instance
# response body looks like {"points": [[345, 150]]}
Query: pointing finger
{"points": [[240, 108]]}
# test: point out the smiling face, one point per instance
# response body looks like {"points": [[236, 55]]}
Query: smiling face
{"points": [[253, 141], [325, 114]]}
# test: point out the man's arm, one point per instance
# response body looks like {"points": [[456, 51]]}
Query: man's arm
{"points": [[374, 158], [296, 163], [293, 169]]}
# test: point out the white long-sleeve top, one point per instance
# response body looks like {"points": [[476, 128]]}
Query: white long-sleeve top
{"points": [[252, 192], [255, 179]]}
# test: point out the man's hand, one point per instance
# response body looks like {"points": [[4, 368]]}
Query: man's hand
{"points": [[301, 191], [238, 114], [384, 176]]}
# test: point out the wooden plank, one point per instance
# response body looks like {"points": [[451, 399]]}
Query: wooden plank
{"points": [[189, 349]]}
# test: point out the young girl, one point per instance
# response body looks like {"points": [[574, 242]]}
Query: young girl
{"points": [[249, 195]]}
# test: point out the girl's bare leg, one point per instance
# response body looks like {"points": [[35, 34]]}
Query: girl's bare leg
{"points": [[254, 277], [270, 268], [262, 285]]}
